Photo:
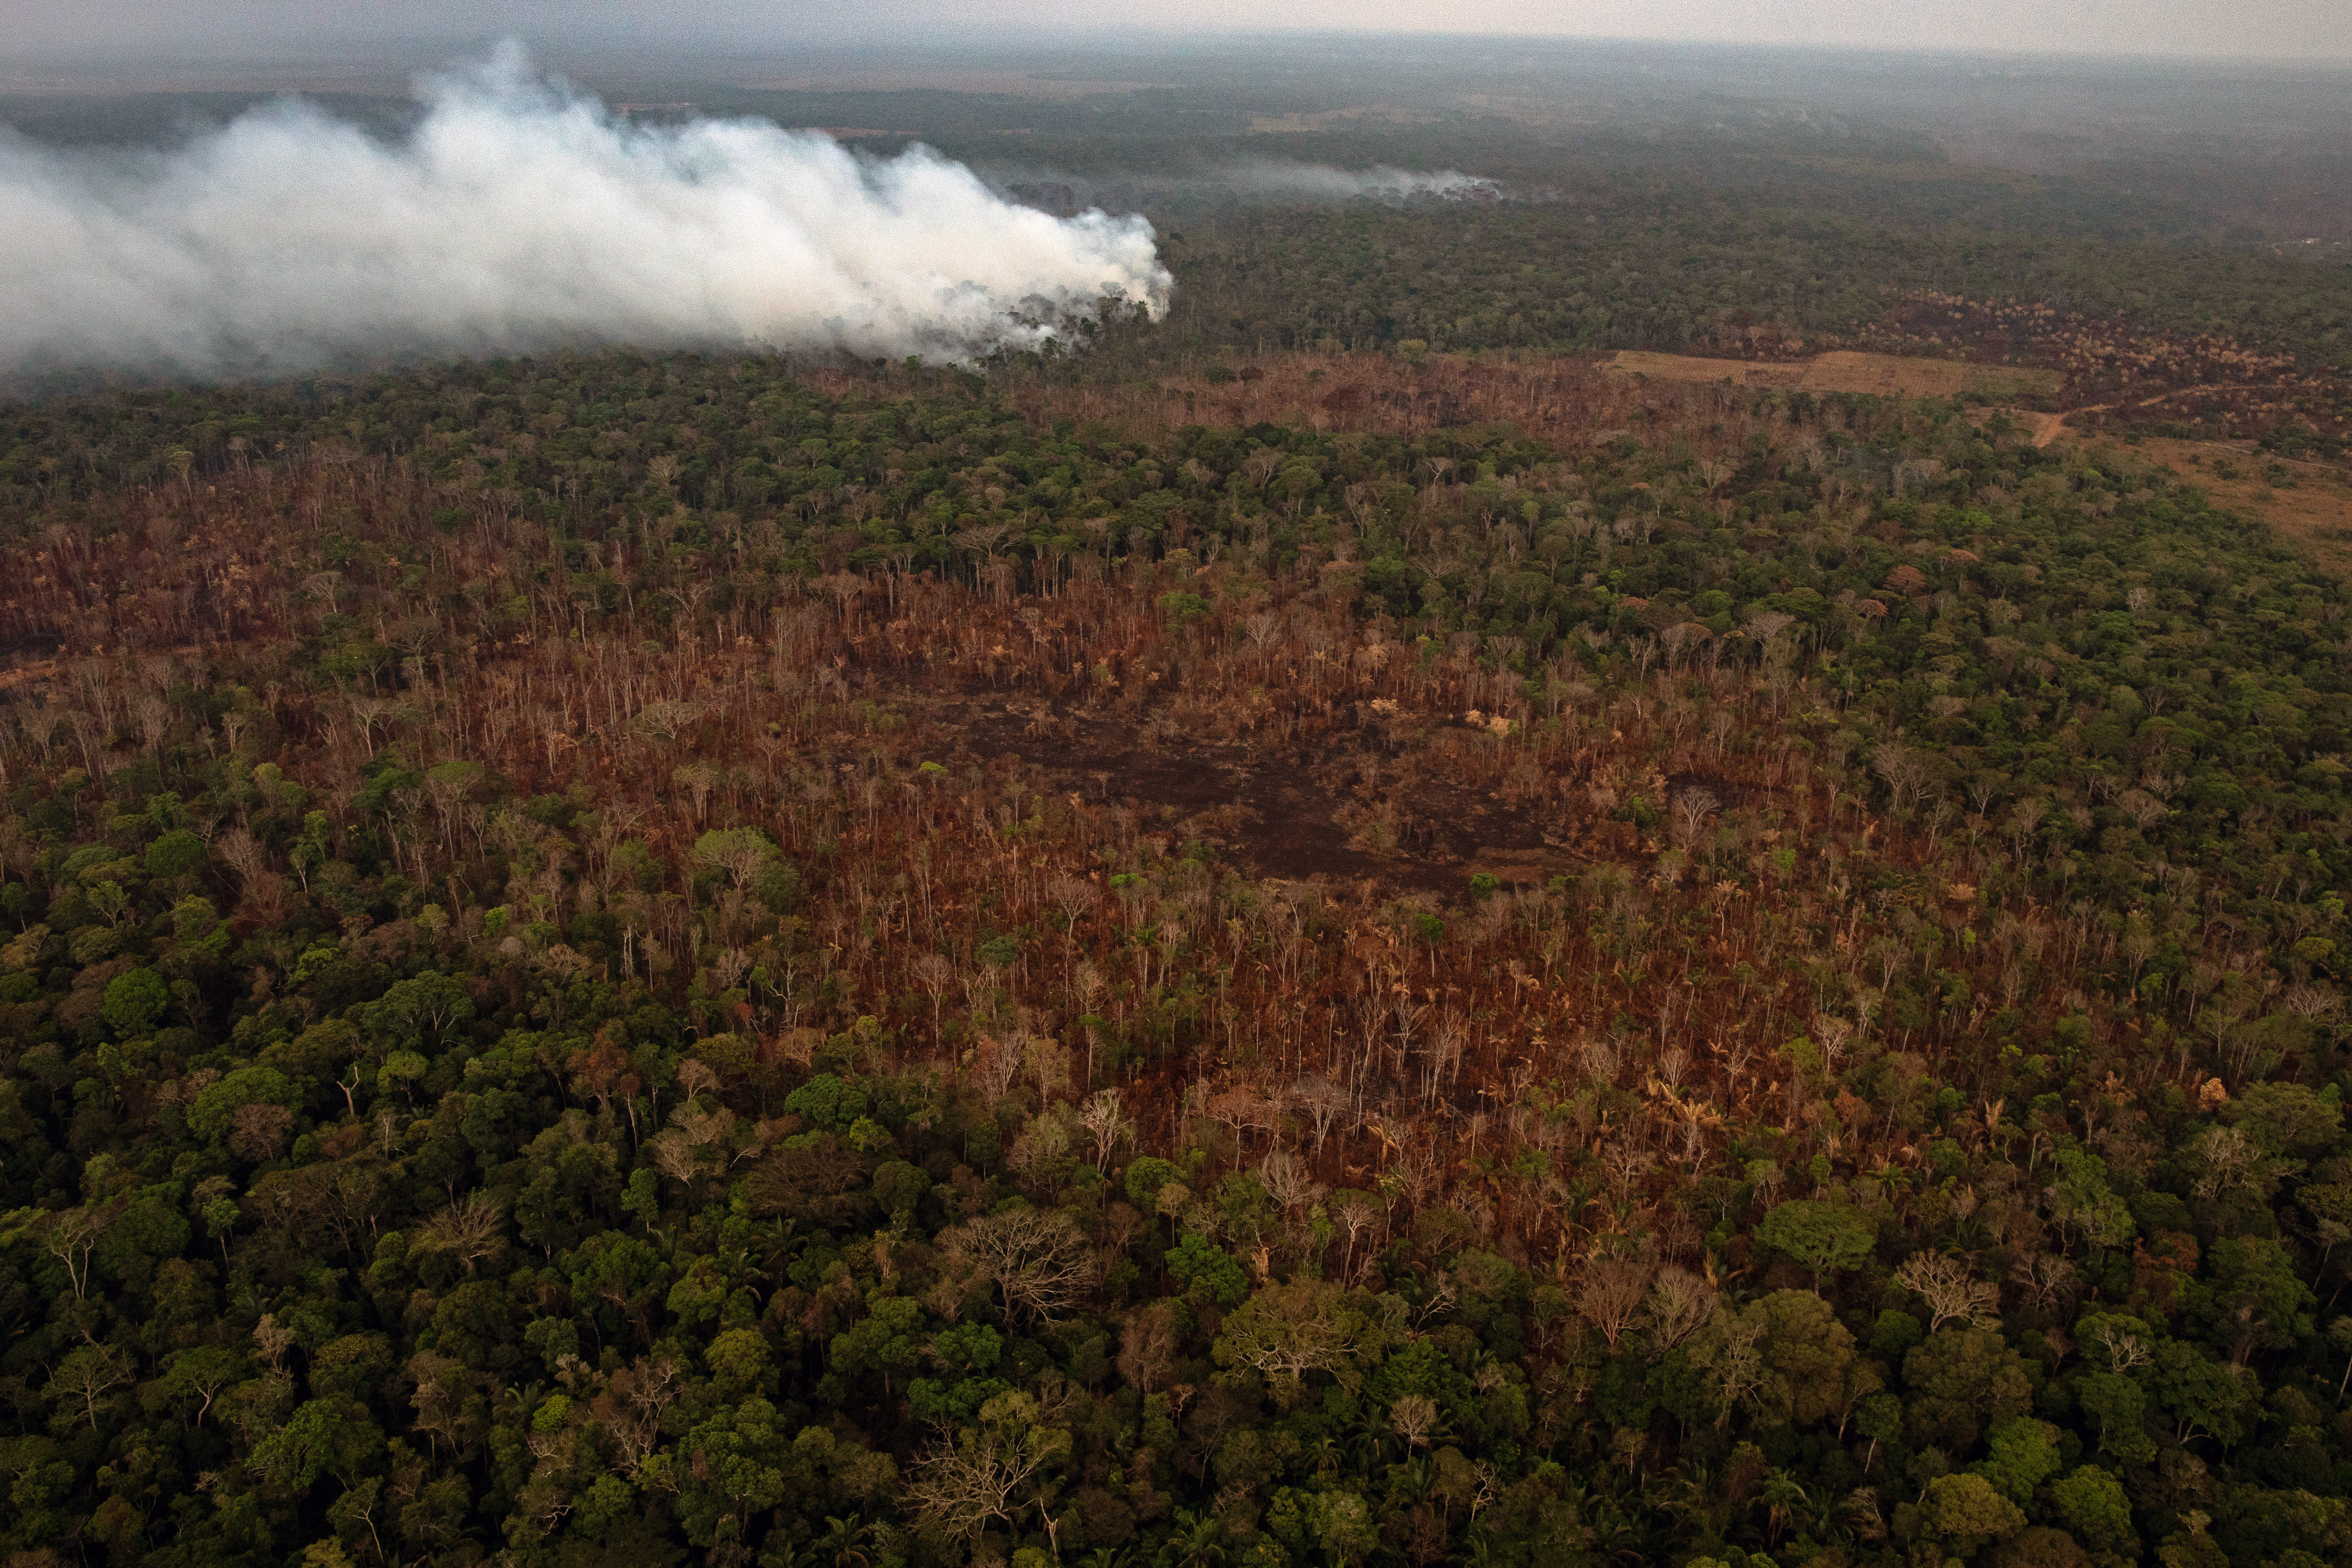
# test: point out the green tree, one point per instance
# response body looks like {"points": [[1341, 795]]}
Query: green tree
{"points": [[742, 853], [2095, 1507], [134, 1000], [1968, 1512], [1812, 1374], [2081, 1200], [1960, 1380], [2203, 1397], [2021, 1453], [887, 1342], [1199, 1264], [731, 1466], [740, 1364], [1284, 1331], [1344, 1525], [217, 1103], [323, 1436], [418, 1013], [1145, 1176], [2251, 1299], [1822, 1236], [176, 855], [2288, 1118], [2119, 1405]]}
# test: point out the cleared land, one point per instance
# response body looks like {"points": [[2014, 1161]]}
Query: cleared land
{"points": [[1847, 370], [2310, 504]]}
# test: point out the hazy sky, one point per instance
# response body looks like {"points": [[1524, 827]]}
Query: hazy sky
{"points": [[36, 32], [33, 31]]}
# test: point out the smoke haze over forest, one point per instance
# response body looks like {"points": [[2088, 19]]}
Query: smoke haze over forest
{"points": [[2306, 29], [515, 216]]}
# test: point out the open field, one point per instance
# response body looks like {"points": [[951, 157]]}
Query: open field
{"points": [[2311, 511], [2309, 503], [2311, 508], [1887, 375]]}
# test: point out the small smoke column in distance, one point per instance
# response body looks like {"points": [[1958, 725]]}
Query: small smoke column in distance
{"points": [[518, 215], [1270, 180], [1320, 181]]}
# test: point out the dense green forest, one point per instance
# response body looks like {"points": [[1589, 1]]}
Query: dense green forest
{"points": [[1675, 274], [626, 958]]}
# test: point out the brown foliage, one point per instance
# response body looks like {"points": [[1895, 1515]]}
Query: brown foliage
{"points": [[1291, 791], [258, 1132]]}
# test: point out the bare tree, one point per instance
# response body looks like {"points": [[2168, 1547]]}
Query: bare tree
{"points": [[1610, 1292], [1904, 771], [2049, 1278], [632, 1407], [1951, 1290], [990, 1472], [273, 1338], [1731, 1352], [85, 1376], [1104, 1121], [69, 1235], [257, 1132], [935, 972], [2122, 1349], [1692, 808], [243, 853], [439, 1399], [1357, 1212], [999, 1064], [1325, 1102], [1073, 896], [468, 1229], [1148, 1343], [1038, 1261], [1289, 1180], [1678, 1305], [1414, 1417]]}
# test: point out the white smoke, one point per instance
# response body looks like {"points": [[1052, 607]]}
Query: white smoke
{"points": [[1320, 181], [1280, 181], [518, 215]]}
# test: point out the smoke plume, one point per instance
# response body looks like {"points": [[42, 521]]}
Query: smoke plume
{"points": [[1320, 181], [1277, 182], [518, 215]]}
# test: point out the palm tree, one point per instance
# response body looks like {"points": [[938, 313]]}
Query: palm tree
{"points": [[1195, 1543], [845, 1540], [1695, 1501], [1783, 1500], [1368, 1442]]}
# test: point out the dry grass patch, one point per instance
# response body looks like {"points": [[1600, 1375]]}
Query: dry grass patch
{"points": [[2309, 504]]}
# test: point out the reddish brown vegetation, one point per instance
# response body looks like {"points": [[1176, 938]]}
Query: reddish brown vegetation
{"points": [[2120, 374], [1290, 793], [1570, 402]]}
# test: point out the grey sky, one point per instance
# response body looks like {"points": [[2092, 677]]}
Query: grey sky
{"points": [[36, 31]]}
